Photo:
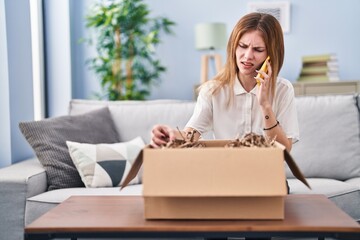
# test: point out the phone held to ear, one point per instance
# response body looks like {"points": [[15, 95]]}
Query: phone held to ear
{"points": [[263, 68]]}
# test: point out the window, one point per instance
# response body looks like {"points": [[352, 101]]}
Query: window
{"points": [[37, 51]]}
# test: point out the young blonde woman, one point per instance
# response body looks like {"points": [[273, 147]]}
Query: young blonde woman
{"points": [[233, 104]]}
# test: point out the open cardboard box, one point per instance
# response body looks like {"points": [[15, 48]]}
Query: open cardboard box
{"points": [[214, 182]]}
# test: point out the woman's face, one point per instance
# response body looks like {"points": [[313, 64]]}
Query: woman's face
{"points": [[250, 53]]}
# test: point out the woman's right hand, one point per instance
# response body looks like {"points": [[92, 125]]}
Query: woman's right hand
{"points": [[161, 135]]}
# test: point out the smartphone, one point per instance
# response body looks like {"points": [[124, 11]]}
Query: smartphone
{"points": [[263, 68]]}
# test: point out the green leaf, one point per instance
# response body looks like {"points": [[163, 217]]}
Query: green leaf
{"points": [[139, 35]]}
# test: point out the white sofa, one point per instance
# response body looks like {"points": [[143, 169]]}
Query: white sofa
{"points": [[328, 154]]}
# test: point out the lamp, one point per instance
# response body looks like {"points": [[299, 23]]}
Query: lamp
{"points": [[210, 36]]}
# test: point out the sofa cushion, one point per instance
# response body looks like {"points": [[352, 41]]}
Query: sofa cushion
{"points": [[105, 165], [345, 195], [137, 118], [48, 139], [329, 145], [354, 181]]}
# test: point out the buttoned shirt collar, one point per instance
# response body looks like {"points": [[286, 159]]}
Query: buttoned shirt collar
{"points": [[239, 89]]}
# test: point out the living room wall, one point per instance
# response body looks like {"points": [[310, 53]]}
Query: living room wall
{"points": [[16, 92], [5, 150], [316, 27]]}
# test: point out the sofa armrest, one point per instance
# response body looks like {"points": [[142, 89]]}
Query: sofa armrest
{"points": [[29, 173], [17, 183]]}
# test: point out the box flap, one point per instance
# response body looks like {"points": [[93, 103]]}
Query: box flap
{"points": [[135, 168], [294, 168], [292, 165]]}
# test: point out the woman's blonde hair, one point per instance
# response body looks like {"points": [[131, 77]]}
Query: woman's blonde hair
{"points": [[272, 34]]}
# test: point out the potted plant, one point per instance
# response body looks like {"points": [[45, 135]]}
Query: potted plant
{"points": [[126, 37]]}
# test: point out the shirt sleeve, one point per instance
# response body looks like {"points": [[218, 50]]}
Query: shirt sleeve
{"points": [[202, 118]]}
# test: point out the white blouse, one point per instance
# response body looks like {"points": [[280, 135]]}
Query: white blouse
{"points": [[245, 115]]}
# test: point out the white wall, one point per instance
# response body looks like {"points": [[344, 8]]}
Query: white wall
{"points": [[5, 135], [317, 27], [57, 56], [16, 92]]}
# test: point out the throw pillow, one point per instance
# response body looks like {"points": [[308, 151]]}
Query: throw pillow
{"points": [[105, 165], [329, 131], [48, 139]]}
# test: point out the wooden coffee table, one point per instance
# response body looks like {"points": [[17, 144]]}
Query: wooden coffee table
{"points": [[123, 216]]}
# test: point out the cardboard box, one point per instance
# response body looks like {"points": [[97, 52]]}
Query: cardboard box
{"points": [[214, 182]]}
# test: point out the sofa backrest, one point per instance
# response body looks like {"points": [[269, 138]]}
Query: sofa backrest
{"points": [[137, 118], [329, 145]]}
